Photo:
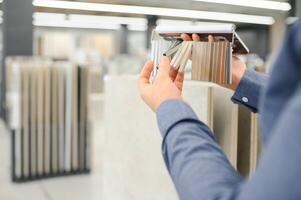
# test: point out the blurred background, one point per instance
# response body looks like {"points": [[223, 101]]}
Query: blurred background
{"points": [[112, 38]]}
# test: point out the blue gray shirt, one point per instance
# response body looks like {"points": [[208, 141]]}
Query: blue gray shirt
{"points": [[198, 166]]}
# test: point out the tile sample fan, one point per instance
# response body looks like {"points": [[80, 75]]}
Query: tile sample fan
{"points": [[211, 61]]}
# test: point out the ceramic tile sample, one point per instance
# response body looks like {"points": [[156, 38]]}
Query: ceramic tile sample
{"points": [[255, 146], [248, 141], [133, 164], [199, 96], [243, 151], [211, 60], [225, 122]]}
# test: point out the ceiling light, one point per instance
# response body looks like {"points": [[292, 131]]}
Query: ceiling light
{"points": [[265, 4], [66, 24], [87, 21], [171, 22], [193, 14], [46, 16], [110, 19]]}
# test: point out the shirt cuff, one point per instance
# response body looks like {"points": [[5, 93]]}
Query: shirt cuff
{"points": [[171, 112], [248, 90]]}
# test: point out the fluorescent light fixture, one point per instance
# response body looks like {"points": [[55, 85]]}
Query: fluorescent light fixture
{"points": [[167, 22], [265, 4], [66, 24], [49, 16], [87, 21], [193, 14], [170, 22], [110, 19]]}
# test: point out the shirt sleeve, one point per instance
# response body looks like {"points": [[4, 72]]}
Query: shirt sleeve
{"points": [[194, 160], [200, 169], [249, 88]]}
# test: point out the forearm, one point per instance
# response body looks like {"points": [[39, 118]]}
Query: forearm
{"points": [[193, 158], [248, 90]]}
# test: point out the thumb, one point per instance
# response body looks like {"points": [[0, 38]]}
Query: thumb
{"points": [[145, 74]]}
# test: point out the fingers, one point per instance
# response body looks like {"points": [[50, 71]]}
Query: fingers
{"points": [[173, 74], [164, 66], [179, 80], [185, 37], [235, 57], [196, 37], [210, 38], [145, 73]]}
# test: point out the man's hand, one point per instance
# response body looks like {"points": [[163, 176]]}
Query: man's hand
{"points": [[238, 67], [167, 85]]}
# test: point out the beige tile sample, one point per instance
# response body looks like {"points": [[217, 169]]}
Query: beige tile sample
{"points": [[199, 96], [40, 119], [25, 119], [225, 122], [133, 164], [248, 141], [255, 146]]}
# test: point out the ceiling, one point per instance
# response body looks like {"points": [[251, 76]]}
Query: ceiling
{"points": [[179, 4]]}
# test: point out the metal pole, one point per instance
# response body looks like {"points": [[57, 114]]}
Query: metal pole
{"points": [[151, 24]]}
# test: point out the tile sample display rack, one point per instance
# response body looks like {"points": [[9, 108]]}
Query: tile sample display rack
{"points": [[47, 113]]}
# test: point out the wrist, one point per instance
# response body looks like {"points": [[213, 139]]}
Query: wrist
{"points": [[166, 100], [237, 77]]}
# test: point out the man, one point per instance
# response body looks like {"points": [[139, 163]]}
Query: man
{"points": [[197, 165]]}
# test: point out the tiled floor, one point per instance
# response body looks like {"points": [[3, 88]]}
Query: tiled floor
{"points": [[80, 187]]}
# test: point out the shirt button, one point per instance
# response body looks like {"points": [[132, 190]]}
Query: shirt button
{"points": [[245, 99]]}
